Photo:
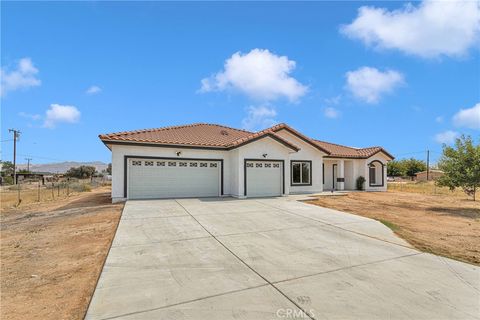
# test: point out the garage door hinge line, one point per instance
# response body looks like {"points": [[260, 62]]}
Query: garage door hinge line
{"points": [[248, 266]]}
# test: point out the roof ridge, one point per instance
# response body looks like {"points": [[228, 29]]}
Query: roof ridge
{"points": [[224, 126], [284, 126], [340, 145], [195, 124], [255, 134], [370, 148], [261, 133], [152, 129]]}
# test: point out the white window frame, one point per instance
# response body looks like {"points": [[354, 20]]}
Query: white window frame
{"points": [[301, 183]]}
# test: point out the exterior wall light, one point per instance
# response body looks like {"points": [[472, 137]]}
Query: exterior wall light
{"points": [[178, 153], [264, 155]]}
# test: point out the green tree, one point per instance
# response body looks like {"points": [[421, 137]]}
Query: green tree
{"points": [[461, 166], [395, 169], [81, 172], [109, 168], [7, 168], [412, 166]]}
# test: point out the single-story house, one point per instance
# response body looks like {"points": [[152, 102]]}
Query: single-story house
{"points": [[433, 174], [209, 160]]}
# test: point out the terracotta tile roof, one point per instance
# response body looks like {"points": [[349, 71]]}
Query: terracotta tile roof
{"points": [[197, 134], [339, 151], [260, 134], [222, 137], [281, 126]]}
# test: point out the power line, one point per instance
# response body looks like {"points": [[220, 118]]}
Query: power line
{"points": [[408, 153], [417, 152], [40, 157]]}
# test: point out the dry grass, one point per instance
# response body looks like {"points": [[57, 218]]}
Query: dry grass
{"points": [[52, 254], [424, 188], [444, 224], [27, 194], [12, 198]]}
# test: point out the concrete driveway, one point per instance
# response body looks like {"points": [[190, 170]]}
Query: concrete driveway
{"points": [[272, 259]]}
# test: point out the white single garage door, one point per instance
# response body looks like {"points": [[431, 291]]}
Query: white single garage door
{"points": [[163, 178], [264, 178]]}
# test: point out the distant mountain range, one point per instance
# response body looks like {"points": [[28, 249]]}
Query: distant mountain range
{"points": [[62, 167]]}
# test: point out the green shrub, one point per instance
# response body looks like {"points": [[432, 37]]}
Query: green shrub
{"points": [[80, 187], [360, 182], [7, 180], [86, 188]]}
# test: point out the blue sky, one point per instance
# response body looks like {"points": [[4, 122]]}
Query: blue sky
{"points": [[71, 71]]}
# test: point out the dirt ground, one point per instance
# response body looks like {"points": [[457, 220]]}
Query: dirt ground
{"points": [[52, 254], [447, 225]]}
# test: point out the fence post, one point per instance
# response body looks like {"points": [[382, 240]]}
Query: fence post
{"points": [[18, 194], [38, 195], [68, 187], [58, 192], [53, 192]]}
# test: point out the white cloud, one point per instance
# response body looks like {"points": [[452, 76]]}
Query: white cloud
{"points": [[24, 76], [93, 90], [439, 119], [259, 117], [468, 118], [369, 84], [259, 74], [431, 29], [334, 100], [446, 137], [331, 113], [58, 113], [30, 116]]}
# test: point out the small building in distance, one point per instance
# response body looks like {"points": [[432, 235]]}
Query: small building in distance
{"points": [[433, 174], [34, 176]]}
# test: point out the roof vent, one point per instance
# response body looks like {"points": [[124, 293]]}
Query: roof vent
{"points": [[224, 133]]}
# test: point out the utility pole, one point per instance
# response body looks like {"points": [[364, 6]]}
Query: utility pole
{"points": [[16, 135], [428, 163], [28, 163]]}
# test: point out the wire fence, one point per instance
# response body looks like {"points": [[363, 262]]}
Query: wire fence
{"points": [[34, 191], [429, 188]]}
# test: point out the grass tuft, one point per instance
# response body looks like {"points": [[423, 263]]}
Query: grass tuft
{"points": [[390, 225]]}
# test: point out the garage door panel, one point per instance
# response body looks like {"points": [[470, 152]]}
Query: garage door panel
{"points": [[264, 178], [172, 179]]}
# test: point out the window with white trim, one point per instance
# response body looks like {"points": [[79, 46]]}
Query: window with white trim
{"points": [[301, 173]]}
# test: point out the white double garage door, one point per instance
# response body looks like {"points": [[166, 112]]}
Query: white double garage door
{"points": [[184, 178]]}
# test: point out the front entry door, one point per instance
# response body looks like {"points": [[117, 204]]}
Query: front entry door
{"points": [[334, 175]]}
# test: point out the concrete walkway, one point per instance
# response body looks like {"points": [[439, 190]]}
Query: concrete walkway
{"points": [[272, 258]]}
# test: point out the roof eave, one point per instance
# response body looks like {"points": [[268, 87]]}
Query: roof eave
{"points": [[163, 145], [384, 151], [301, 137], [270, 135]]}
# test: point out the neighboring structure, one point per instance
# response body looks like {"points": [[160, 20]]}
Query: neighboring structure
{"points": [[208, 160], [43, 176], [432, 175]]}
